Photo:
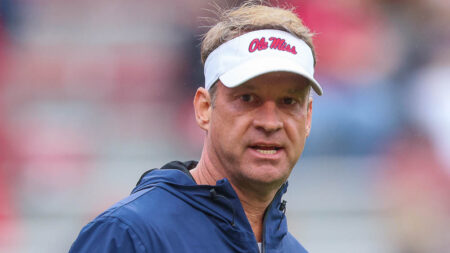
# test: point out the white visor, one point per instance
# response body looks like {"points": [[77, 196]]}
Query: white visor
{"points": [[256, 53]]}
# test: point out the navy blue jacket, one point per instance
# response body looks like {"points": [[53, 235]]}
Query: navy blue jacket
{"points": [[168, 212]]}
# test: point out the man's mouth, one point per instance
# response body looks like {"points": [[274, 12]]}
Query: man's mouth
{"points": [[267, 152], [266, 149]]}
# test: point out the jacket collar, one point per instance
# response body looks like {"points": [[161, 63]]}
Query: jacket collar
{"points": [[220, 200]]}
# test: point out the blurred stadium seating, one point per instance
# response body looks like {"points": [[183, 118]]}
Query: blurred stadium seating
{"points": [[93, 93]]}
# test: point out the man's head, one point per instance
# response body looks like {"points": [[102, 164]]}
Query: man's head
{"points": [[252, 16], [259, 63]]}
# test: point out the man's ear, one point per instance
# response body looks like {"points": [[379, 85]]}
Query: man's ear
{"points": [[202, 107], [309, 116]]}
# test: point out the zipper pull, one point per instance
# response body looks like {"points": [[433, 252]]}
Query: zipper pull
{"points": [[283, 209], [283, 206]]}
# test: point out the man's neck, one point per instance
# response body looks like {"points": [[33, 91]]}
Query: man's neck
{"points": [[255, 208], [253, 203]]}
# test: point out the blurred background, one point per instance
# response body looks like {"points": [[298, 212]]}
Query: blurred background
{"points": [[95, 92]]}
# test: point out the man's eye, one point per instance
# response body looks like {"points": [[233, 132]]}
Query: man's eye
{"points": [[247, 98], [289, 101]]}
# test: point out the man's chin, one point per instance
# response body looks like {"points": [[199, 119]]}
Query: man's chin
{"points": [[269, 175]]}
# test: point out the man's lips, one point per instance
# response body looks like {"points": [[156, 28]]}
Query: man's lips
{"points": [[266, 148]]}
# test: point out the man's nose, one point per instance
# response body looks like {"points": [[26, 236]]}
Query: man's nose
{"points": [[267, 117]]}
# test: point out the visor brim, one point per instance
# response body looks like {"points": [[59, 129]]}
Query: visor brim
{"points": [[257, 66]]}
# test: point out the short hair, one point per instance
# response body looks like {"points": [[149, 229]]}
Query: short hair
{"points": [[252, 16]]}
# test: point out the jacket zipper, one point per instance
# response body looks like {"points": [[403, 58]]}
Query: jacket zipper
{"points": [[263, 243]]}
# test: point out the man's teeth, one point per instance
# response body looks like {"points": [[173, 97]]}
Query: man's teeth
{"points": [[267, 152]]}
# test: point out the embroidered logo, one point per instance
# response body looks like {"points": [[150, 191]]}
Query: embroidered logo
{"points": [[275, 43]]}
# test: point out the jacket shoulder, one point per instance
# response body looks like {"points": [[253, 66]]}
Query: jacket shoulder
{"points": [[118, 229], [108, 235]]}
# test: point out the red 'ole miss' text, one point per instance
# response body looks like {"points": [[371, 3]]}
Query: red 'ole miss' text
{"points": [[275, 43]]}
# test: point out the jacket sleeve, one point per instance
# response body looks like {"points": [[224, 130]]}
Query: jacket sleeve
{"points": [[107, 235]]}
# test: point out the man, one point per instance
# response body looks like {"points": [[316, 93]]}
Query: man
{"points": [[256, 112]]}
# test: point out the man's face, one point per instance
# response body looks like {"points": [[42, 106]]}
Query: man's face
{"points": [[257, 130]]}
